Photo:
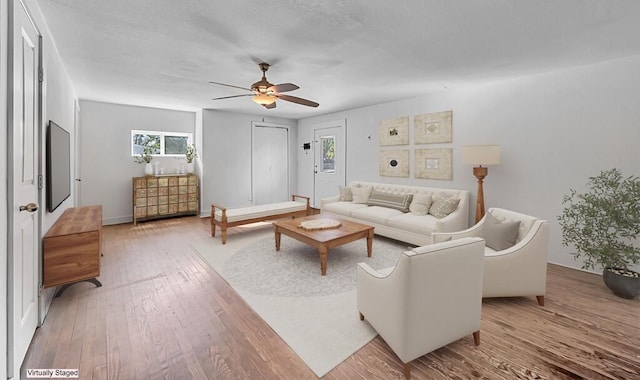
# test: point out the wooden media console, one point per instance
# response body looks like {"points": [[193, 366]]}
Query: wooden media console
{"points": [[72, 248]]}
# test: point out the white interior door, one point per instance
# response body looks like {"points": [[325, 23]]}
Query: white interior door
{"points": [[329, 160], [25, 215], [270, 164]]}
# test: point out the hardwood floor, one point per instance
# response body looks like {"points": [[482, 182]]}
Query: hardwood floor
{"points": [[162, 312]]}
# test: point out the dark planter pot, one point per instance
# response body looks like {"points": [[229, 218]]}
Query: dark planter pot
{"points": [[622, 286]]}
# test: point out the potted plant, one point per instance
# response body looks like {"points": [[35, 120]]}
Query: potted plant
{"points": [[603, 224], [147, 155], [191, 154]]}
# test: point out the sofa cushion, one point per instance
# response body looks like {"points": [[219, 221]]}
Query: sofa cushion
{"points": [[420, 203], [361, 194], [500, 235], [342, 208], [345, 193], [420, 224], [442, 207], [395, 201], [375, 214]]}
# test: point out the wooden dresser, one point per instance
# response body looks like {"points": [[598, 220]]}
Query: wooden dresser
{"points": [[163, 196], [72, 247]]}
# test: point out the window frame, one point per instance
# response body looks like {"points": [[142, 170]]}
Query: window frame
{"points": [[162, 135], [333, 138]]}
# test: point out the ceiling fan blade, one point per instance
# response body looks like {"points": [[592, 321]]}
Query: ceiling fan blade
{"points": [[295, 99], [283, 87], [232, 96], [270, 106], [230, 85]]}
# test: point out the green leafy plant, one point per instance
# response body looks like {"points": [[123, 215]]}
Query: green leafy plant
{"points": [[147, 153], [603, 223], [191, 153]]}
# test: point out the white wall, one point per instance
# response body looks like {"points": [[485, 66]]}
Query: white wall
{"points": [[555, 130], [106, 164], [226, 157], [58, 104]]}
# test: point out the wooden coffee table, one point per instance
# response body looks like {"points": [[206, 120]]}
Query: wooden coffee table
{"points": [[323, 240]]}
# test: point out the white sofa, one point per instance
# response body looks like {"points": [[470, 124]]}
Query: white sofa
{"points": [[518, 270], [399, 225]]}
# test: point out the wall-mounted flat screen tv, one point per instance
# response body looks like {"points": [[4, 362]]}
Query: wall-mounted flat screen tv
{"points": [[58, 158]]}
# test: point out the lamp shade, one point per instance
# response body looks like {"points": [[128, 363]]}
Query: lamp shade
{"points": [[481, 155], [263, 99]]}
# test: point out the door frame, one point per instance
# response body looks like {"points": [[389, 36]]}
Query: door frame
{"points": [[4, 228], [77, 174], [342, 124], [261, 124]]}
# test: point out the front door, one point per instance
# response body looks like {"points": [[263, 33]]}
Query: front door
{"points": [[25, 213], [329, 160]]}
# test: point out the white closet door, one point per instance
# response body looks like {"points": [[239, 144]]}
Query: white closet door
{"points": [[270, 164]]}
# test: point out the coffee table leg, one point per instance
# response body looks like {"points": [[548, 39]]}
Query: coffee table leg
{"points": [[369, 243], [323, 260], [277, 234]]}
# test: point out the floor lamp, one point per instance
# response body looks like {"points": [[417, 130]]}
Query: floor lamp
{"points": [[480, 156]]}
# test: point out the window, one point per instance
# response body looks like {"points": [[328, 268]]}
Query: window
{"points": [[165, 143], [328, 154]]}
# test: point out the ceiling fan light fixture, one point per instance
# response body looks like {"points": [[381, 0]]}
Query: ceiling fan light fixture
{"points": [[263, 99]]}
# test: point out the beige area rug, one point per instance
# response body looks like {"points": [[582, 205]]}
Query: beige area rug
{"points": [[315, 315]]}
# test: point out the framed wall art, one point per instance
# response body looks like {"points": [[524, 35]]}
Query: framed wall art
{"points": [[394, 131], [433, 163], [433, 128], [394, 163]]}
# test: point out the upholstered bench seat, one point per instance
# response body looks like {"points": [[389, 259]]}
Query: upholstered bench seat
{"points": [[225, 218], [261, 211]]}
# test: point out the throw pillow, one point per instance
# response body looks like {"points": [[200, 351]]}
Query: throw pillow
{"points": [[500, 235], [361, 194], [420, 204], [442, 207], [345, 194], [395, 201]]}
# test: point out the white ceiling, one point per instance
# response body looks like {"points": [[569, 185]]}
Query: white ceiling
{"points": [[342, 54]]}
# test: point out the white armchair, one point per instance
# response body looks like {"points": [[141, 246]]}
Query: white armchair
{"points": [[432, 297], [520, 270]]}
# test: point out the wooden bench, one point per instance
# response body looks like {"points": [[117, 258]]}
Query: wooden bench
{"points": [[225, 218]]}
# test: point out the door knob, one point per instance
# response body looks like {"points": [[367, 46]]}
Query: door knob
{"points": [[31, 207]]}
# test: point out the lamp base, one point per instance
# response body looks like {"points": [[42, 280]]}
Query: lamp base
{"points": [[480, 172]]}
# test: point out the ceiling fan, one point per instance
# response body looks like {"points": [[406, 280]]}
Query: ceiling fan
{"points": [[265, 93]]}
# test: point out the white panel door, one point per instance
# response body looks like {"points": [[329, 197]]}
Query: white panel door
{"points": [[270, 164], [24, 241], [329, 160]]}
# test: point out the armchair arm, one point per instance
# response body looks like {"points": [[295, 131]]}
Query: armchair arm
{"points": [[380, 298], [370, 271], [455, 221]]}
